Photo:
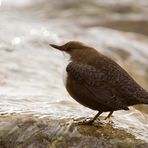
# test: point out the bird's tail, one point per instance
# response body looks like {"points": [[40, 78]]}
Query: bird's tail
{"points": [[144, 100]]}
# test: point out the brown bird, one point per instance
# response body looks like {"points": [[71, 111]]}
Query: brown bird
{"points": [[99, 83]]}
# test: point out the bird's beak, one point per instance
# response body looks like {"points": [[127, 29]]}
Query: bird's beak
{"points": [[56, 46]]}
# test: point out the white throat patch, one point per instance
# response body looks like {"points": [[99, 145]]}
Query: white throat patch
{"points": [[66, 62]]}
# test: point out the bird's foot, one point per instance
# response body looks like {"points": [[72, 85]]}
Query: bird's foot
{"points": [[109, 121], [109, 115], [84, 122], [107, 118], [88, 122]]}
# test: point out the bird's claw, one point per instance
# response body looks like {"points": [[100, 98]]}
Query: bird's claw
{"points": [[83, 122]]}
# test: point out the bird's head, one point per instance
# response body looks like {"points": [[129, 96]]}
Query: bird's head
{"points": [[69, 46], [75, 49]]}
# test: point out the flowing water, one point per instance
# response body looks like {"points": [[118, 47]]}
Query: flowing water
{"points": [[31, 71]]}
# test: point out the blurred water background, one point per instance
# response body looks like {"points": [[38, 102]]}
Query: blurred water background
{"points": [[31, 71]]}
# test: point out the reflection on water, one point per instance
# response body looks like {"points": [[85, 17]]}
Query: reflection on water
{"points": [[31, 72]]}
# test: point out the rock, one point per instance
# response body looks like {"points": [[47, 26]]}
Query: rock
{"points": [[23, 131]]}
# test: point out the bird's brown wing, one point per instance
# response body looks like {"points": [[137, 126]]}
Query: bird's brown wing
{"points": [[94, 81]]}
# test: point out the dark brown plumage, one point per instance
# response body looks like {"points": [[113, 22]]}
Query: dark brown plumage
{"points": [[98, 82]]}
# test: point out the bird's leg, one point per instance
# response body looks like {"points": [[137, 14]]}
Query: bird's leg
{"points": [[89, 122], [95, 117], [92, 120], [109, 115]]}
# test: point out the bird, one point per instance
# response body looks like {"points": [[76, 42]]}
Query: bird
{"points": [[98, 82]]}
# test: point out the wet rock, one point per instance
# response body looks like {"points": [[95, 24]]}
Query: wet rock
{"points": [[34, 132]]}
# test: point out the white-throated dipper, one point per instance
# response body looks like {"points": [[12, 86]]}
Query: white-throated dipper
{"points": [[99, 83]]}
